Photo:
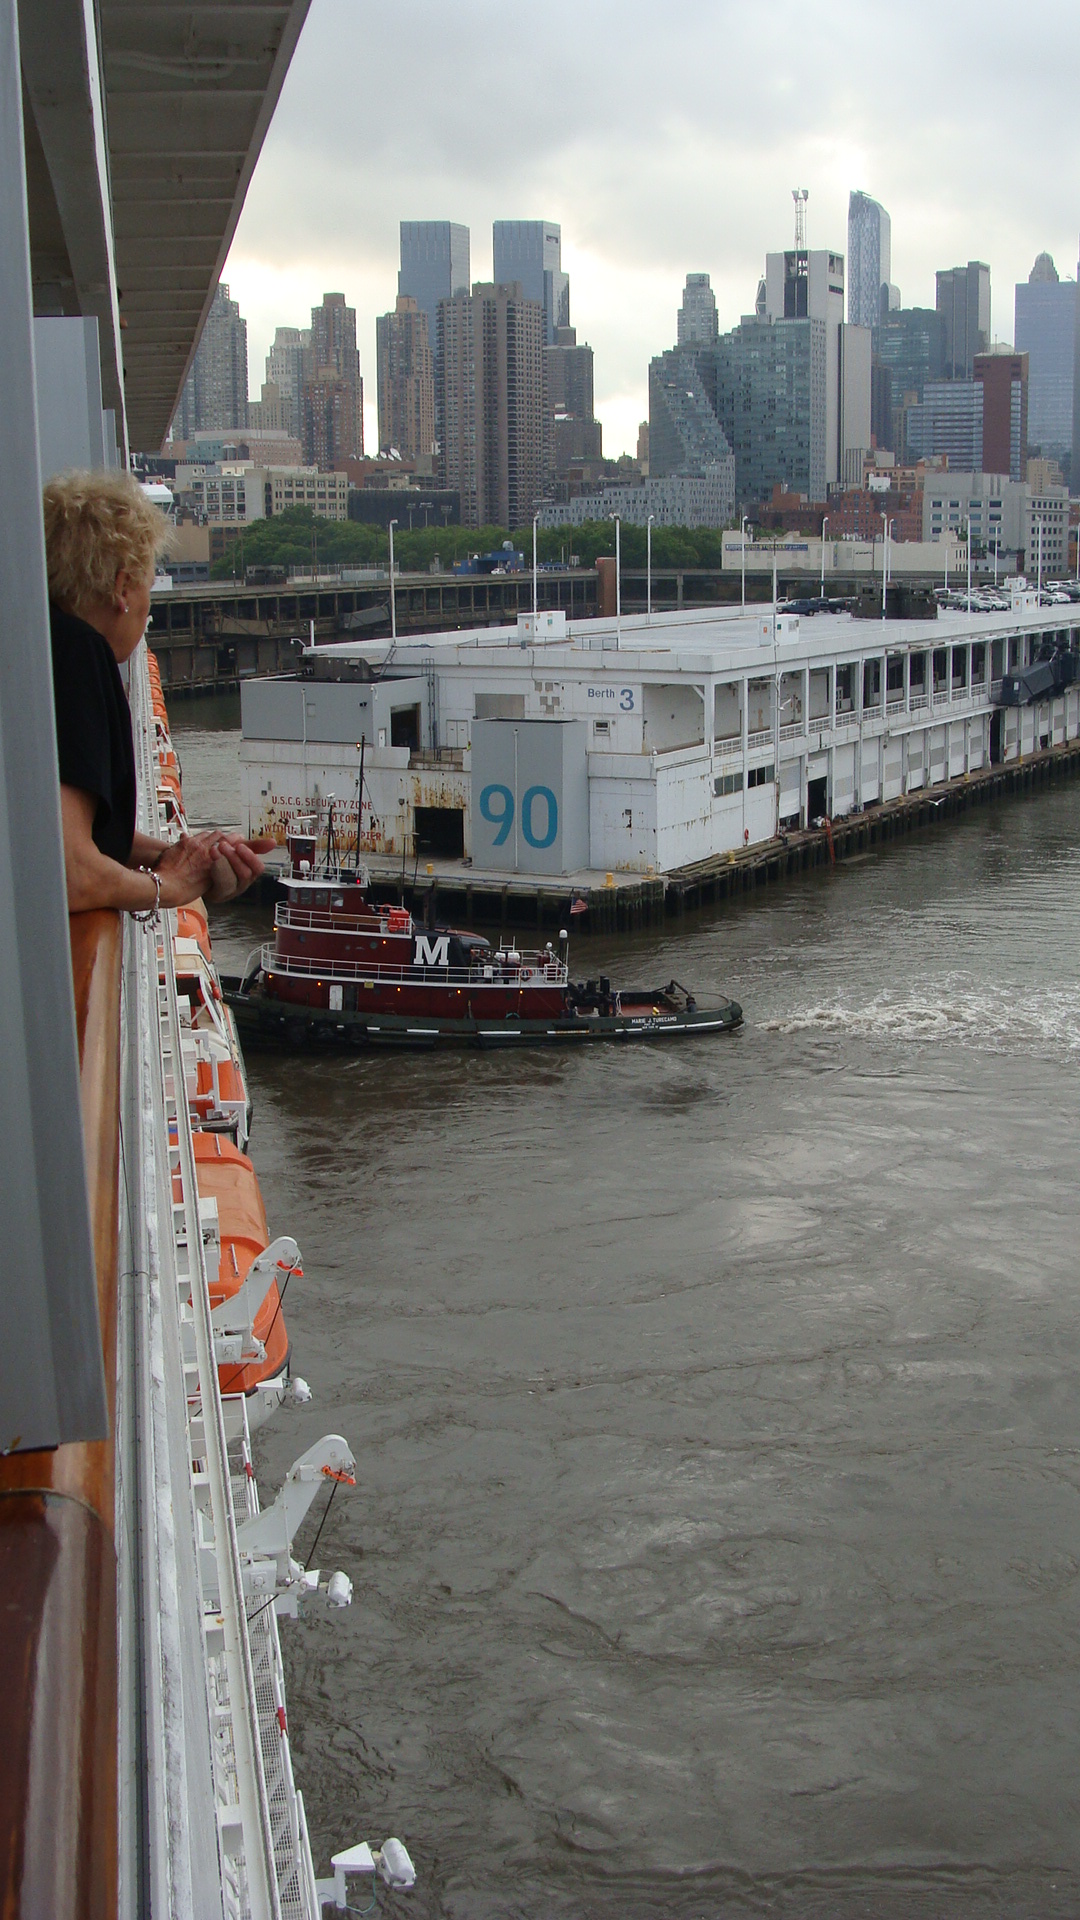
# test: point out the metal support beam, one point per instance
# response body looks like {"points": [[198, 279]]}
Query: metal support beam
{"points": [[52, 1384]]}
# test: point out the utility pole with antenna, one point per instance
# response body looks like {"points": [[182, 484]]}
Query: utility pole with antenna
{"points": [[800, 195]]}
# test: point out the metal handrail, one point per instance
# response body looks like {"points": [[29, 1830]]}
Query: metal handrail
{"points": [[762, 737], [321, 920], [550, 973]]}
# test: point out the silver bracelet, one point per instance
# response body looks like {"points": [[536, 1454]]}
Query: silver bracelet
{"points": [[147, 914]]}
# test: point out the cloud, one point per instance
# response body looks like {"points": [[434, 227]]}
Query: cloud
{"points": [[664, 141]]}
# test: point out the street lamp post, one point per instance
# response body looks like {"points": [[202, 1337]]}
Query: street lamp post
{"points": [[884, 560], [618, 579], [648, 568], [393, 596], [969, 566], [742, 554], [536, 600], [1040, 525], [824, 524]]}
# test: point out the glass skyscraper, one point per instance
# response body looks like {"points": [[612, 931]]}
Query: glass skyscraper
{"points": [[530, 251], [434, 264], [1045, 331], [869, 262]]}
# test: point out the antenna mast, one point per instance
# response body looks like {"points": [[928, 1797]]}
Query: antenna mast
{"points": [[800, 195]]}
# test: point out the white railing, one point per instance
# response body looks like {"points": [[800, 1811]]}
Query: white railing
{"points": [[217, 1774], [729, 744], [292, 1849], [792, 730], [761, 738], [917, 701], [895, 706], [496, 973], [321, 920]]}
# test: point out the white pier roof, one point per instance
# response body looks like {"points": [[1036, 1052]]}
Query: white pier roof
{"points": [[704, 640]]}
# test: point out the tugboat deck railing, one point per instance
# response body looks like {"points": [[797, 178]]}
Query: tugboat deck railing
{"points": [[496, 973], [323, 920]]}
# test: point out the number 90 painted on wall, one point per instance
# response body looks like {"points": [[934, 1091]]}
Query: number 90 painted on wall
{"points": [[538, 804]]}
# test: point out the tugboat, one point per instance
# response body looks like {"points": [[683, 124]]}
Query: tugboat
{"points": [[345, 970]]}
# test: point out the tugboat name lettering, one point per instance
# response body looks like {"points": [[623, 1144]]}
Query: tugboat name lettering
{"points": [[432, 953]]}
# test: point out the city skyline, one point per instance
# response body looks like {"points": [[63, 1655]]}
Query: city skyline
{"points": [[648, 180]]}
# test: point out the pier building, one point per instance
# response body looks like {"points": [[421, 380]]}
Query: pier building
{"points": [[644, 745]]}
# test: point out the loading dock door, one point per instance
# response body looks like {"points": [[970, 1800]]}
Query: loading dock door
{"points": [[440, 831]]}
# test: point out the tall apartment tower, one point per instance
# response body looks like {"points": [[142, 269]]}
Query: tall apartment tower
{"points": [[215, 395], [1004, 380], [963, 300], [574, 433], [406, 381], [697, 324], [530, 252], [490, 369], [285, 371], [434, 265], [808, 284], [333, 394], [869, 261], [1045, 330]]}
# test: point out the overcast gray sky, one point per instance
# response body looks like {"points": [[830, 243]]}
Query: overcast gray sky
{"points": [[664, 139]]}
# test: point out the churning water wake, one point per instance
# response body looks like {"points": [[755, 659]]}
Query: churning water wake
{"points": [[951, 1012]]}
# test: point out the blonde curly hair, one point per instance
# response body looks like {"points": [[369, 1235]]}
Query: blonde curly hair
{"points": [[96, 526]]}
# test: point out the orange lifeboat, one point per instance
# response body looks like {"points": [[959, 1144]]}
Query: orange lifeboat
{"points": [[227, 1176], [191, 924]]}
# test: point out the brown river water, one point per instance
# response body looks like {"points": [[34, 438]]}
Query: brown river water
{"points": [[716, 1541]]}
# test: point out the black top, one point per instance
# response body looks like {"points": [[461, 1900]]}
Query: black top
{"points": [[93, 729]]}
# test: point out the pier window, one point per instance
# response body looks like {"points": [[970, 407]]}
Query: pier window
{"points": [[959, 668], [978, 665], [871, 684], [727, 711], [820, 702], [894, 679], [845, 688], [405, 727], [674, 716], [941, 672], [758, 707], [761, 776], [917, 675], [727, 783]]}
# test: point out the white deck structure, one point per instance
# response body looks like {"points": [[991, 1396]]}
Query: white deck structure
{"points": [[703, 732]]}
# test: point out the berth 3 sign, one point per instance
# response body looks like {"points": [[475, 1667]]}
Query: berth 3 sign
{"points": [[530, 795]]}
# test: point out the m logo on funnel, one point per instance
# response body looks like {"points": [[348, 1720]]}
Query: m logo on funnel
{"points": [[432, 953]]}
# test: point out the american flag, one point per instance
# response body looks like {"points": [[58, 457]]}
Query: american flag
{"points": [[579, 903]]}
